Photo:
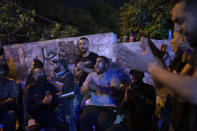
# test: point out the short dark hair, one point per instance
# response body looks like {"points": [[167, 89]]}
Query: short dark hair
{"points": [[37, 63], [133, 71], [84, 38], [174, 2], [190, 5], [4, 66], [106, 60]]}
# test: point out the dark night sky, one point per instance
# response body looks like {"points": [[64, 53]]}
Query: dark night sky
{"points": [[75, 4]]}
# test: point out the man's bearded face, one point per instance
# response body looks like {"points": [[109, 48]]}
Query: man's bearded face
{"points": [[83, 46], [186, 19], [100, 66]]}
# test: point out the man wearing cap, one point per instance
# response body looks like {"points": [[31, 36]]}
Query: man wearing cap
{"points": [[63, 77], [64, 81]]}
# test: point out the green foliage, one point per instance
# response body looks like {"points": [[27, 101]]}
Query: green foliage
{"points": [[105, 17], [51, 9], [47, 19], [20, 26], [97, 17], [14, 22], [58, 31], [149, 18]]}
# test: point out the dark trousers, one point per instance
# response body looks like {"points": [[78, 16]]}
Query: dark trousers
{"points": [[117, 127], [102, 117], [48, 121], [8, 119]]}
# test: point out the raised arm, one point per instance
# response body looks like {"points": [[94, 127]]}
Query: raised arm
{"points": [[184, 85]]}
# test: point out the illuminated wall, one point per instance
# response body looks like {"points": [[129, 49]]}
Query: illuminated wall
{"points": [[20, 56]]}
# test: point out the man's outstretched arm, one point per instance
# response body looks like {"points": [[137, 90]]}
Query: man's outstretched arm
{"points": [[184, 85]]}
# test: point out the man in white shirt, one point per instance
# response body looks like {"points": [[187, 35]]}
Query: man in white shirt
{"points": [[102, 85]]}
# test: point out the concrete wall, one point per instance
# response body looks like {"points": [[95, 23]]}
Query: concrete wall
{"points": [[134, 46], [20, 56]]}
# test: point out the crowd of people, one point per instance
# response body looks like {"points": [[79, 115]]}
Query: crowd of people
{"points": [[101, 95]]}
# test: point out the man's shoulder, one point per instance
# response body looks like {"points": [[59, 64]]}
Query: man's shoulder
{"points": [[93, 54], [11, 84], [11, 81], [92, 74]]}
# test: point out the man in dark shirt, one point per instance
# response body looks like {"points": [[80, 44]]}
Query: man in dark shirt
{"points": [[84, 65], [179, 107], [41, 101], [64, 81], [64, 78], [86, 60], [8, 99]]}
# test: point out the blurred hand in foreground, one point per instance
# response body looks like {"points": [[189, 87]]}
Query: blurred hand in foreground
{"points": [[138, 61]]}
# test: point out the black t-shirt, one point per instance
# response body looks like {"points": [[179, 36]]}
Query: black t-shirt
{"points": [[193, 60], [193, 113], [178, 108], [91, 60], [177, 64]]}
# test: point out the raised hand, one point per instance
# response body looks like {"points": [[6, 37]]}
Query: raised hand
{"points": [[47, 99], [138, 61]]}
